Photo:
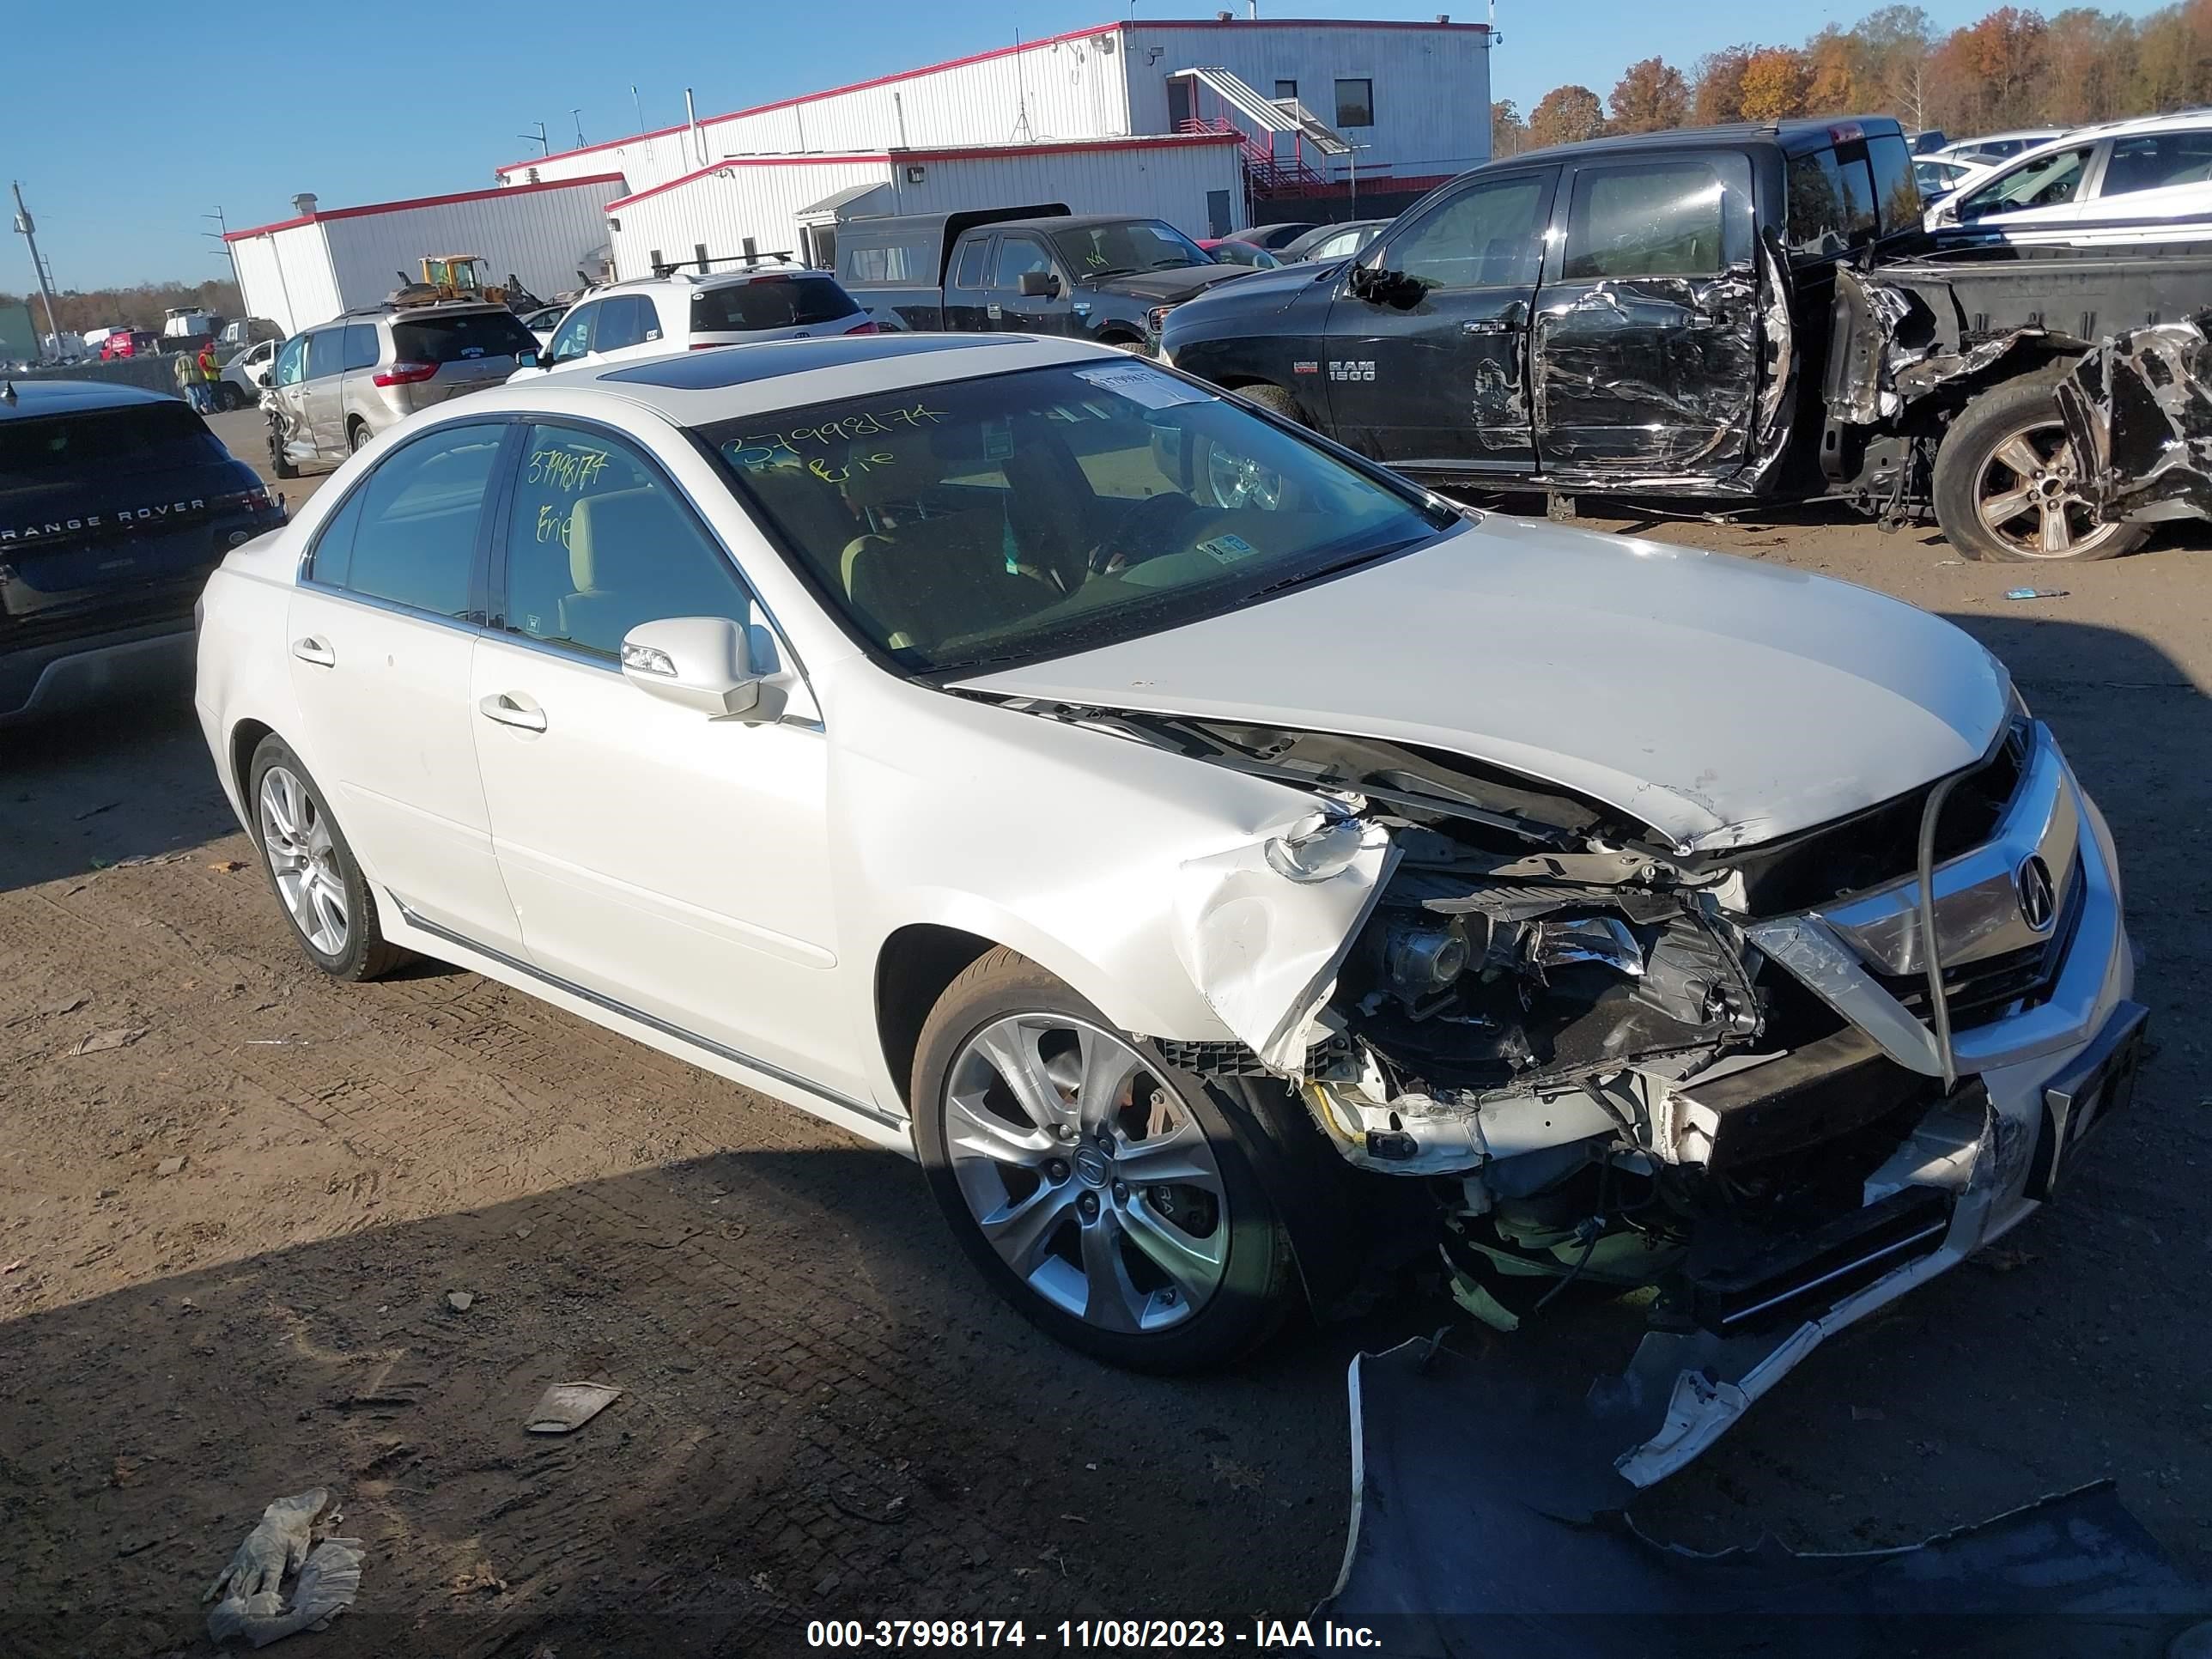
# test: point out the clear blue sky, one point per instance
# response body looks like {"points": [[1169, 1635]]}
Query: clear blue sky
{"points": [[121, 142]]}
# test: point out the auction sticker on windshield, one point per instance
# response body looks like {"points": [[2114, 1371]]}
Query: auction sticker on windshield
{"points": [[1143, 385]]}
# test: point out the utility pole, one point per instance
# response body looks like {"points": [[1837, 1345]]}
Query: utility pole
{"points": [[577, 116], [29, 232], [637, 108], [221, 226], [537, 137]]}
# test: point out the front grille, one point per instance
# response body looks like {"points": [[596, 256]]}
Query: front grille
{"points": [[1883, 843], [1977, 993]]}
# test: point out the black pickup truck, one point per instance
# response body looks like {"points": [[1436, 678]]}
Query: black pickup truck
{"points": [[1030, 271], [1750, 313], [116, 504]]}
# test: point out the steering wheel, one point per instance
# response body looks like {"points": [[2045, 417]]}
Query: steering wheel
{"points": [[1149, 521]]}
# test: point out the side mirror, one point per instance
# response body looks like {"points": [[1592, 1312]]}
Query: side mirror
{"points": [[697, 662], [525, 359], [1037, 285]]}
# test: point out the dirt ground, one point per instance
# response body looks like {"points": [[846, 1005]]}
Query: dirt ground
{"points": [[234, 1198]]}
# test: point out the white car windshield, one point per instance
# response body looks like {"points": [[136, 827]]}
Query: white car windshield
{"points": [[1023, 516]]}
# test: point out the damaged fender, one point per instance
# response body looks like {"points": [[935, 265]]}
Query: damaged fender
{"points": [[1901, 336], [1263, 946], [2138, 411]]}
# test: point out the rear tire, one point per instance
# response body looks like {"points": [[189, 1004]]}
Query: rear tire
{"points": [[1111, 1197], [357, 437], [2003, 477], [312, 870]]}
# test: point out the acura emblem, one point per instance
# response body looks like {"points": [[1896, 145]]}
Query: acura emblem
{"points": [[2039, 905]]}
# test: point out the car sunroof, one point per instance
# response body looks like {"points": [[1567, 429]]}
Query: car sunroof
{"points": [[742, 365]]}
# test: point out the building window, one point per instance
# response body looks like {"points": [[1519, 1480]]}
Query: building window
{"points": [[1286, 90], [1355, 103]]}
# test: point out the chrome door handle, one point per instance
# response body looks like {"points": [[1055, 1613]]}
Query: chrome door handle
{"points": [[315, 651], [508, 708]]}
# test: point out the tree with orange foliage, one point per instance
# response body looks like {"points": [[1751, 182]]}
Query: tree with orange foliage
{"points": [[1566, 115], [1834, 72], [1720, 86], [1774, 84], [1650, 96]]}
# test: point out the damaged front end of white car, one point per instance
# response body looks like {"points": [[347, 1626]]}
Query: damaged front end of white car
{"points": [[1735, 1082]]}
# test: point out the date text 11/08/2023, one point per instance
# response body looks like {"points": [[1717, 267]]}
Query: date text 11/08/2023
{"points": [[1088, 1634]]}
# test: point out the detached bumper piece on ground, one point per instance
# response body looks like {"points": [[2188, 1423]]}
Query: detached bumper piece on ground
{"points": [[1488, 1518]]}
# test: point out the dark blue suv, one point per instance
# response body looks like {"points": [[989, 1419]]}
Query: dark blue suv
{"points": [[115, 504]]}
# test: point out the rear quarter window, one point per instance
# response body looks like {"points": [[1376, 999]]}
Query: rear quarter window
{"points": [[771, 302], [451, 339], [888, 262], [84, 447]]}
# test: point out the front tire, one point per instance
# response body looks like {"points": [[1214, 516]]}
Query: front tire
{"points": [[279, 463], [2005, 483], [1110, 1196], [312, 870]]}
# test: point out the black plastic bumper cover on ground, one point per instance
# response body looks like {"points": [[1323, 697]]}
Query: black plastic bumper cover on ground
{"points": [[1488, 1520]]}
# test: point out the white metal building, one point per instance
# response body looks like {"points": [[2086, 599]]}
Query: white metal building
{"points": [[305, 270], [1412, 97], [763, 204]]}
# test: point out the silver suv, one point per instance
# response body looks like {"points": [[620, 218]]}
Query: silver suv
{"points": [[337, 385]]}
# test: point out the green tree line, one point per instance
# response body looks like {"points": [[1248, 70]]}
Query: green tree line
{"points": [[2013, 68], [76, 310]]}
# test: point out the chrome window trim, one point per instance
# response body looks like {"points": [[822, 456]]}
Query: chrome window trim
{"points": [[736, 1056]]}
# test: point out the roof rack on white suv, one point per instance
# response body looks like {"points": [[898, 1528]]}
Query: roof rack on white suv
{"points": [[648, 316]]}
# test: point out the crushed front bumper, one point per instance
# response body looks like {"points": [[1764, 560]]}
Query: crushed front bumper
{"points": [[2035, 1082]]}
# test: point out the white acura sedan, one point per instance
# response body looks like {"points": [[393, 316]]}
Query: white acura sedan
{"points": [[1203, 849]]}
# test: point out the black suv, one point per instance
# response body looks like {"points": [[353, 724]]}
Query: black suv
{"points": [[115, 504]]}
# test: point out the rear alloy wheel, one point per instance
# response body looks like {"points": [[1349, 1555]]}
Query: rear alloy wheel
{"points": [[324, 895], [1103, 1192], [2007, 484], [357, 437]]}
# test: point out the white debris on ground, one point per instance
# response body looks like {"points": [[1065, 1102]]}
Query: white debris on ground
{"points": [[288, 1535]]}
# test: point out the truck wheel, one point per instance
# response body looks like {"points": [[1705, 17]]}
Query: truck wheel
{"points": [[2005, 477], [1112, 1197]]}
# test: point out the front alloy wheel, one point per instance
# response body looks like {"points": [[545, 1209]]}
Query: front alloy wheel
{"points": [[1117, 1201], [1087, 1174]]}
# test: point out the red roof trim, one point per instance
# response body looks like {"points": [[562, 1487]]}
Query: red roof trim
{"points": [[426, 202], [1039, 44], [955, 153]]}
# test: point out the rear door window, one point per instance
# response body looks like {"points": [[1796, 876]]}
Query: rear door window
{"points": [[770, 302], [1670, 218], [415, 542], [970, 274], [462, 338], [2157, 161], [361, 346], [1830, 204], [1896, 186]]}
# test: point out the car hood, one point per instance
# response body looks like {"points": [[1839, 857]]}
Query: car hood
{"points": [[1179, 283], [1722, 702], [1263, 292]]}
